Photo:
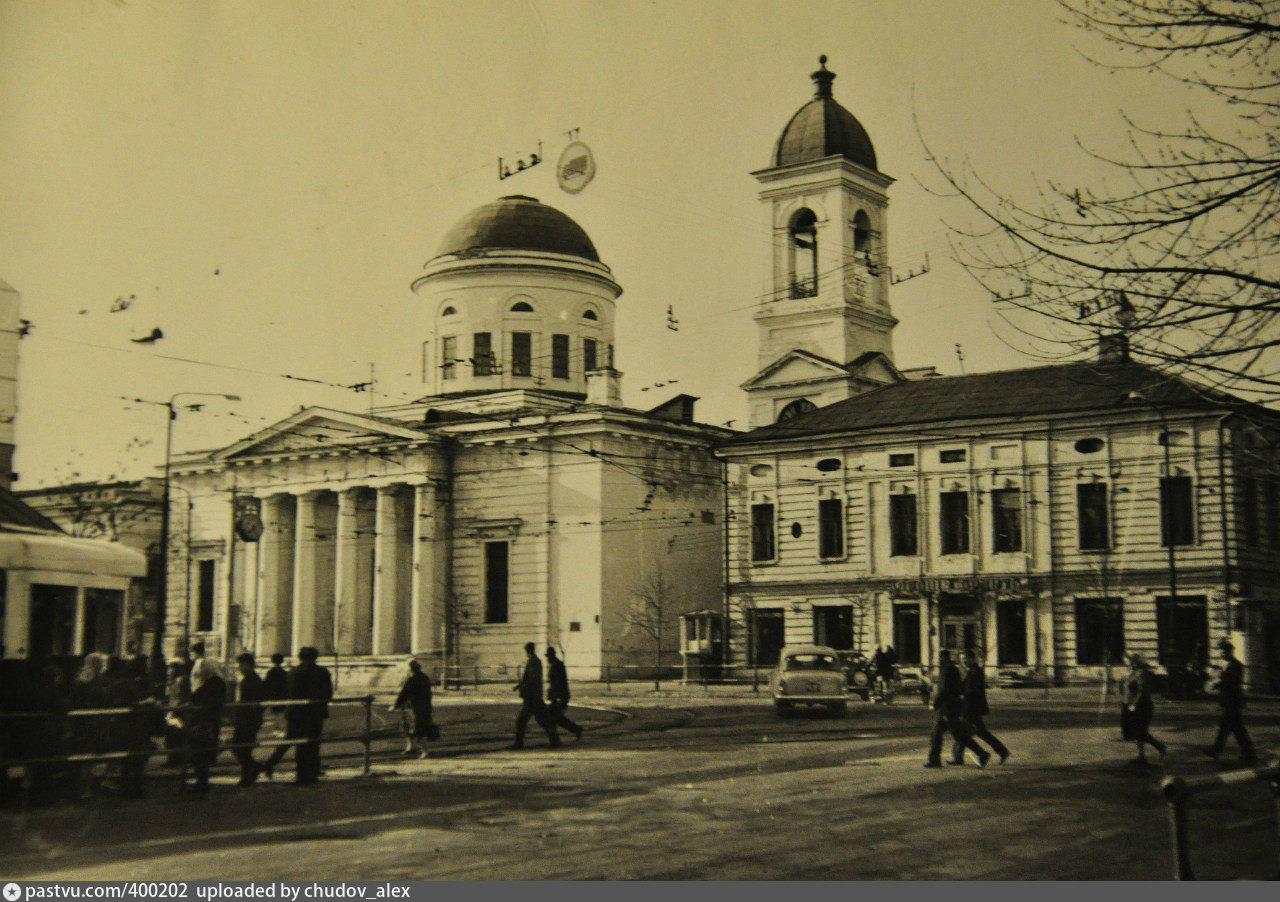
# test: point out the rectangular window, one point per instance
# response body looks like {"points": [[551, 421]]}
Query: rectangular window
{"points": [[1099, 631], [833, 626], [1006, 520], [766, 634], [1093, 516], [902, 460], [1249, 509], [1011, 633], [954, 512], [1183, 630], [951, 456], [560, 356], [830, 528], [521, 353], [588, 354], [205, 585], [496, 581], [762, 547], [482, 360], [1177, 514], [448, 356], [906, 633], [902, 525]]}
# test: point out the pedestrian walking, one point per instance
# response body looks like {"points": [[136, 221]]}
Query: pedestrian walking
{"points": [[974, 709], [558, 694], [247, 720], [948, 701], [311, 683], [883, 664], [204, 723], [414, 703], [531, 704], [275, 687], [1139, 707], [1230, 688]]}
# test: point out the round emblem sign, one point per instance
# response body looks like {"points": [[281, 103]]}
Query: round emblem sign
{"points": [[249, 527], [576, 167]]}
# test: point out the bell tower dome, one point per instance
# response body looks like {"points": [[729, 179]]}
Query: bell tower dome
{"points": [[825, 329]]}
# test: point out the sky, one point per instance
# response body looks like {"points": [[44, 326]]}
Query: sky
{"points": [[263, 180]]}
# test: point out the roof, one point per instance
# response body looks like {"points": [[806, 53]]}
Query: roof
{"points": [[16, 512], [64, 554], [519, 223], [823, 128], [1006, 395]]}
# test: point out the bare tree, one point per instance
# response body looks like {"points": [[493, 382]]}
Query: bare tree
{"points": [[1180, 246], [651, 613]]}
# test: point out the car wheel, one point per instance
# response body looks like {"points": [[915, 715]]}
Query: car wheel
{"points": [[838, 708], [783, 708]]}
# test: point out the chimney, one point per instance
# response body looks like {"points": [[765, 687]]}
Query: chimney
{"points": [[1113, 348], [604, 387]]}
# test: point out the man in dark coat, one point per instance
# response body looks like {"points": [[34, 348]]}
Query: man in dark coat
{"points": [[1231, 698], [275, 687], [973, 708], [308, 682], [247, 720], [530, 689], [558, 694], [948, 700]]}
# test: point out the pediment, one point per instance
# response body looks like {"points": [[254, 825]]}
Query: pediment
{"points": [[796, 367], [875, 367], [318, 429]]}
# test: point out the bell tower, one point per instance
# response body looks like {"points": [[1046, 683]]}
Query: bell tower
{"points": [[825, 329]]}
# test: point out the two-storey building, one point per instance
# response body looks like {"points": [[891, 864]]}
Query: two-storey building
{"points": [[1053, 518]]}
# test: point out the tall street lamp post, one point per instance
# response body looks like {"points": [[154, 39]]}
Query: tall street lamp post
{"points": [[157, 643]]}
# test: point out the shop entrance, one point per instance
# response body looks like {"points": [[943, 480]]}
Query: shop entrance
{"points": [[960, 620]]}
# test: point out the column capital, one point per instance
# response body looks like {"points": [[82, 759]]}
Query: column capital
{"points": [[388, 489]]}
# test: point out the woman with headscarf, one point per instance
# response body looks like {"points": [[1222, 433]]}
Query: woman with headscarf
{"points": [[414, 701], [89, 733], [1139, 707], [204, 722]]}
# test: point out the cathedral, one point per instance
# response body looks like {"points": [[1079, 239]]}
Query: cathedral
{"points": [[518, 500]]}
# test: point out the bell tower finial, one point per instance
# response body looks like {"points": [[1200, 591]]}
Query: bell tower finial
{"points": [[823, 78]]}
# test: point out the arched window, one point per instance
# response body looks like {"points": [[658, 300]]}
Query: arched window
{"points": [[448, 311], [591, 315], [861, 233], [795, 408], [521, 307], [804, 254]]}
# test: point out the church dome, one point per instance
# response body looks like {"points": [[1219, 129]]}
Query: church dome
{"points": [[518, 223], [823, 128]]}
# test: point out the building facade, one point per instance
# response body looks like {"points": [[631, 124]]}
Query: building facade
{"points": [[1053, 519], [517, 500]]}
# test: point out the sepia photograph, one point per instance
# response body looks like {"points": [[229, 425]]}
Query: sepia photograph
{"points": [[637, 440]]}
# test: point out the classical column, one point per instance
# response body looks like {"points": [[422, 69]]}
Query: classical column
{"points": [[427, 604], [344, 566], [387, 586], [304, 571], [275, 576]]}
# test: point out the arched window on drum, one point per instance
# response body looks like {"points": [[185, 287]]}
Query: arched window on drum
{"points": [[803, 248]]}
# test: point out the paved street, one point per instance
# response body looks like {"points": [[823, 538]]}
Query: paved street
{"points": [[687, 788]]}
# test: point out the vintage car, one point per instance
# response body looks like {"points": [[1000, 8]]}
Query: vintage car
{"points": [[808, 675]]}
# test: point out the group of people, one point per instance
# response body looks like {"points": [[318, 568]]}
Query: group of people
{"points": [[1137, 708], [550, 715], [67, 745], [960, 708]]}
